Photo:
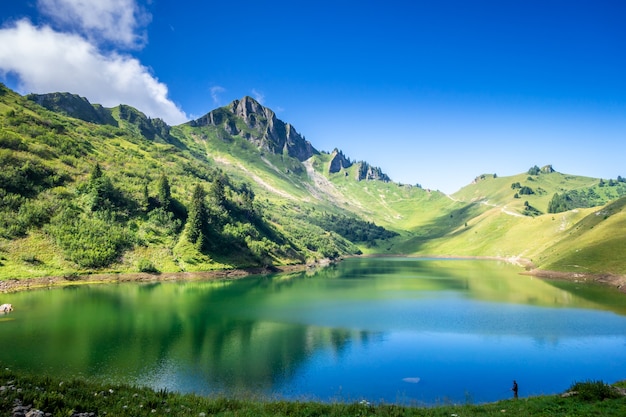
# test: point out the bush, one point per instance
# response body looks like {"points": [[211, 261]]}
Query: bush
{"points": [[594, 391], [525, 190], [144, 265], [91, 241]]}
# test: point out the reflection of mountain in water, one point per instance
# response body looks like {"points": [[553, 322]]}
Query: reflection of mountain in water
{"points": [[256, 333]]}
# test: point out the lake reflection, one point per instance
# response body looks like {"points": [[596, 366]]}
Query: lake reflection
{"points": [[393, 330]]}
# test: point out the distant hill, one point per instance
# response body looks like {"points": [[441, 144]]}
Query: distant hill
{"points": [[91, 189]]}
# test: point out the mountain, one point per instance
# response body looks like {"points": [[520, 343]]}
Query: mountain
{"points": [[89, 189], [123, 115], [75, 106], [259, 125]]}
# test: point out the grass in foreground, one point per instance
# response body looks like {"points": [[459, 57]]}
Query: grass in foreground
{"points": [[78, 397]]}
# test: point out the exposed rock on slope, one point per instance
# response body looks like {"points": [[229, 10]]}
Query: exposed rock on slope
{"points": [[74, 106], [368, 172], [78, 107], [260, 126], [338, 162]]}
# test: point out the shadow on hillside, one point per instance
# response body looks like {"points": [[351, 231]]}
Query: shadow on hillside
{"points": [[449, 224]]}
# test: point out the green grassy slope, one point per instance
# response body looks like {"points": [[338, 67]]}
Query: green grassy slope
{"points": [[585, 240], [55, 219], [595, 244], [274, 209]]}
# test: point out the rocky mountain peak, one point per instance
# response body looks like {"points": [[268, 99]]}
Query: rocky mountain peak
{"points": [[249, 109], [256, 123]]}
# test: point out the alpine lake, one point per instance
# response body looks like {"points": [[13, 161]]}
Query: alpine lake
{"points": [[410, 331]]}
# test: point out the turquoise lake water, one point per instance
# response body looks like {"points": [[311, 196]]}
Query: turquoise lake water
{"points": [[392, 330]]}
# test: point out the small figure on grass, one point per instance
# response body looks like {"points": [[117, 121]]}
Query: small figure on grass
{"points": [[514, 389]]}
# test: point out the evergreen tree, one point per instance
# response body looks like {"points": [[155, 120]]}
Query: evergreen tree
{"points": [[96, 172], [164, 192], [103, 194], [218, 192], [198, 218]]}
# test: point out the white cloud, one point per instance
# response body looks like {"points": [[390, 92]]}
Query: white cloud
{"points": [[48, 61], [215, 94], [258, 95], [118, 21]]}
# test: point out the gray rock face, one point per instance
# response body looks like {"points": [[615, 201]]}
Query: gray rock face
{"points": [[338, 162], [258, 124], [368, 172]]}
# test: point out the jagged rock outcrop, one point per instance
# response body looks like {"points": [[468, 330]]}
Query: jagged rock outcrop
{"points": [[80, 108], [367, 172], [152, 129], [74, 106], [258, 124], [338, 161]]}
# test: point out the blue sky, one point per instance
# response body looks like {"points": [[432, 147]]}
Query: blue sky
{"points": [[434, 93]]}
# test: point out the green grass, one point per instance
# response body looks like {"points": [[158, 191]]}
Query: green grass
{"points": [[66, 397], [594, 244], [482, 219]]}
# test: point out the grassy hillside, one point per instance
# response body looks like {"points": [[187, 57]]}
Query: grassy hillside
{"points": [[595, 244], [59, 217], [496, 223], [125, 193]]}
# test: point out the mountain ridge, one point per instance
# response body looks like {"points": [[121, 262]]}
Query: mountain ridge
{"points": [[228, 173]]}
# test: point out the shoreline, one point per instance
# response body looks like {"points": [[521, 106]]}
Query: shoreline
{"points": [[616, 281], [15, 285], [25, 284]]}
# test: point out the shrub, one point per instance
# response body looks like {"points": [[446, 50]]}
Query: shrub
{"points": [[594, 391], [144, 265], [90, 241]]}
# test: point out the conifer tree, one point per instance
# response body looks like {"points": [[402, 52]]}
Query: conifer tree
{"points": [[101, 190], [198, 218], [218, 194], [164, 192]]}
